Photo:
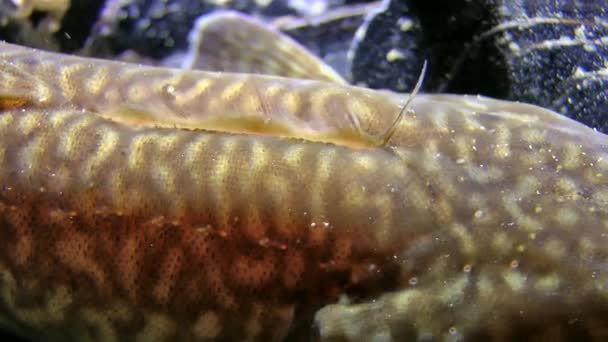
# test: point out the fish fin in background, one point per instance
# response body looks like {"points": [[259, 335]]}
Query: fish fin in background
{"points": [[233, 42]]}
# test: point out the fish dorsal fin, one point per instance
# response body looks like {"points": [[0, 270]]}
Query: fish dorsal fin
{"points": [[233, 42]]}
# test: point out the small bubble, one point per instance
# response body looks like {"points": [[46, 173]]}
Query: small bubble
{"points": [[478, 214], [514, 264], [467, 268], [413, 281], [453, 331]]}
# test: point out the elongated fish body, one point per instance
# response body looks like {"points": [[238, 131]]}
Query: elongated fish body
{"points": [[151, 204]]}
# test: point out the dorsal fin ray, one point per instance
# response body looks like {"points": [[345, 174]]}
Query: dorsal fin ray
{"points": [[386, 137]]}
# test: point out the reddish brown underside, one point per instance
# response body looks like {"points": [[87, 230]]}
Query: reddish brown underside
{"points": [[177, 268]]}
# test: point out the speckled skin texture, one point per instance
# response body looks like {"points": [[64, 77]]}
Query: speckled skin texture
{"points": [[132, 207]]}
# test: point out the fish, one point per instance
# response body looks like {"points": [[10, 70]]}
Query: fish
{"points": [[216, 41], [149, 204]]}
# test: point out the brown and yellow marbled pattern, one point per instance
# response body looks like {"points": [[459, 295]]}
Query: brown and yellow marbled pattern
{"points": [[135, 206]]}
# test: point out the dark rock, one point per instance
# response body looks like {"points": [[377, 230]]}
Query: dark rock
{"points": [[77, 24], [548, 53], [329, 35], [149, 27], [556, 53], [395, 42]]}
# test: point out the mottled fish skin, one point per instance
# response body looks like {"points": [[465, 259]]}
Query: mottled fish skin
{"points": [[129, 211]]}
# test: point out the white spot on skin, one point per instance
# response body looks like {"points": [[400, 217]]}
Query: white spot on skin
{"points": [[478, 214]]}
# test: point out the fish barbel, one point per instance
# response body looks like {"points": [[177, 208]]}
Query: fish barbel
{"points": [[150, 204]]}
